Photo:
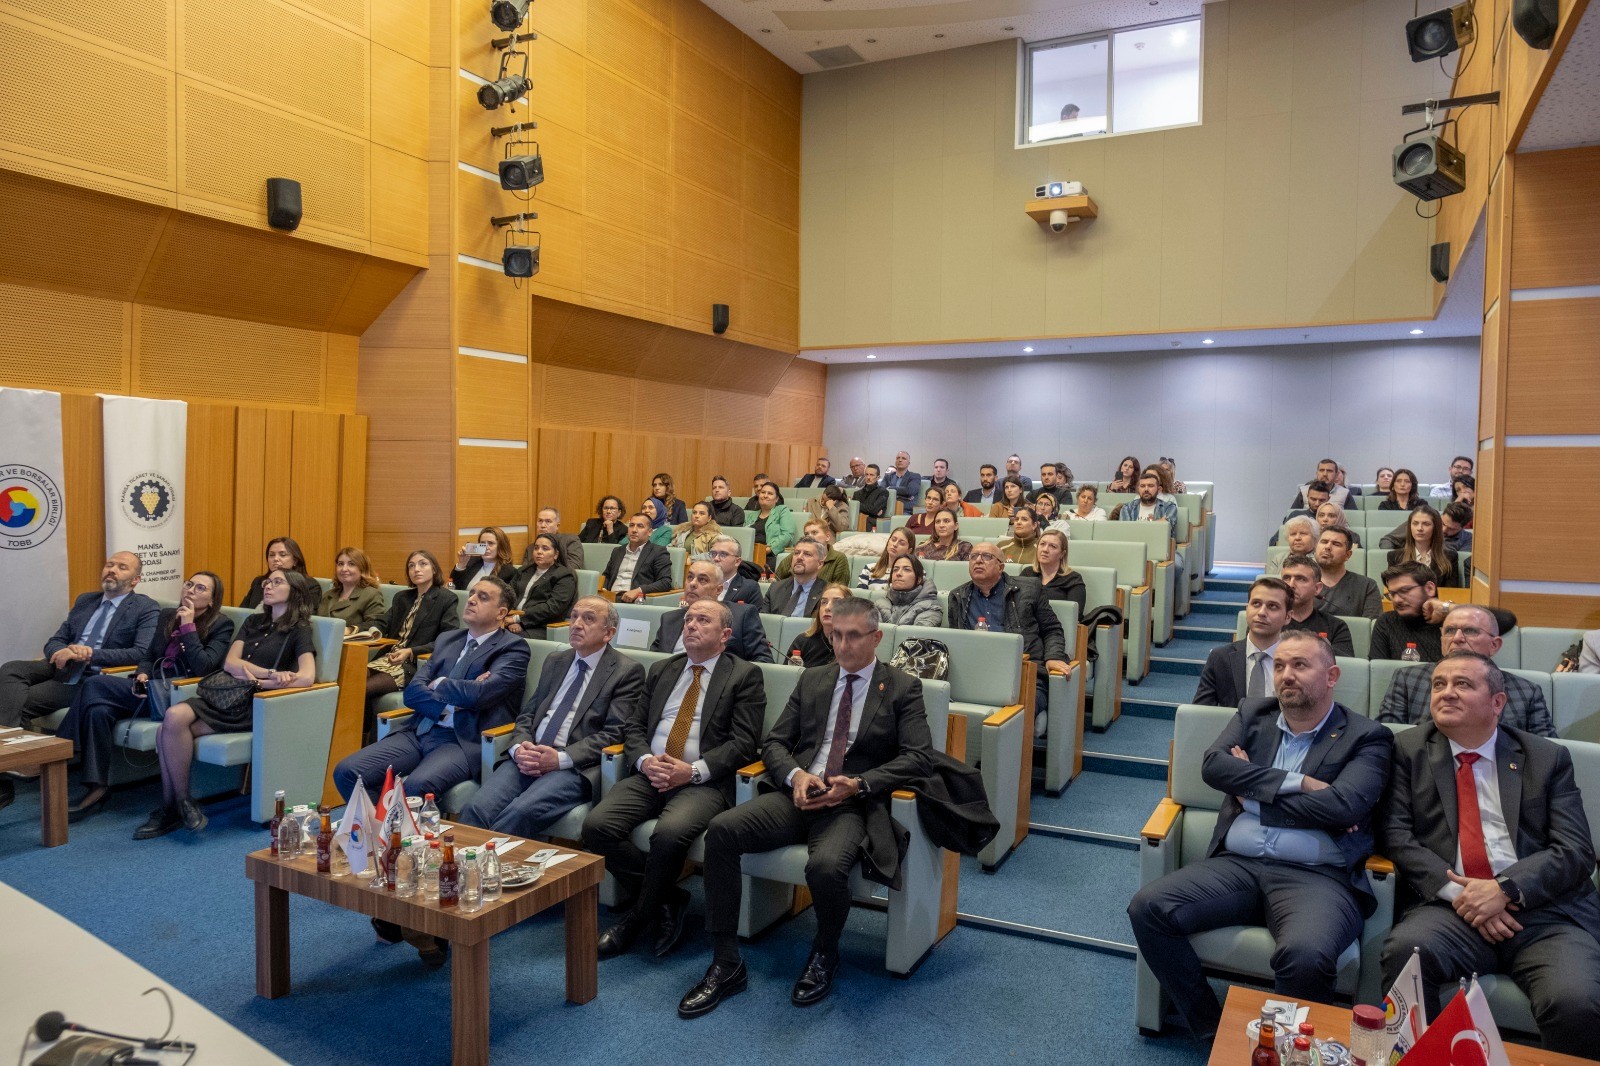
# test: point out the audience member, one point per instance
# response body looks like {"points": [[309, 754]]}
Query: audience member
{"points": [[695, 535], [835, 566], [638, 567], [945, 542], [912, 598], [723, 509], [814, 647], [735, 587], [1408, 587], [755, 491], [1473, 629], [1331, 515], [921, 523], [353, 598], [1424, 543], [1383, 481], [1485, 825], [773, 523], [273, 650], [1023, 544], [830, 507], [1464, 489], [585, 692], [417, 615], [1402, 493], [569, 545], [1058, 580], [1456, 521], [1127, 479], [1291, 840], [1345, 592], [905, 483], [1328, 478], [877, 573], [1311, 499], [698, 724], [986, 494], [1304, 578], [1044, 509], [1149, 507], [797, 594], [825, 799], [1050, 480], [872, 499], [1004, 604], [1168, 466], [941, 476], [857, 477], [191, 640], [607, 527], [283, 553], [1353, 490], [1088, 509], [1244, 668], [1014, 469], [819, 476], [663, 506], [1300, 534], [544, 590], [1583, 657], [1460, 466], [1012, 496], [956, 504], [702, 582], [489, 556]]}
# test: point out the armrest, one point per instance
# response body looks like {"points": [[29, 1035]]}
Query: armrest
{"points": [[903, 794], [1003, 715], [119, 670], [499, 730], [1065, 673], [611, 750], [755, 769], [1379, 866], [376, 642], [396, 714], [1161, 821], [1140, 590], [274, 693]]}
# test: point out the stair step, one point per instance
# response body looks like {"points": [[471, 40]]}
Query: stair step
{"points": [[1162, 709], [1208, 634], [1186, 667], [1125, 765]]}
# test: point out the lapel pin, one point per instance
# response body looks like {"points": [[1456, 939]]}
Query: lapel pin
{"points": [[1513, 766], [880, 689]]}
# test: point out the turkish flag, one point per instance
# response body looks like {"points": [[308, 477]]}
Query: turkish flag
{"points": [[1464, 1034], [383, 799]]}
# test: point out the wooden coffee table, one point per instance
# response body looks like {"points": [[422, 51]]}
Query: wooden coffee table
{"points": [[1243, 1006], [575, 883], [51, 756]]}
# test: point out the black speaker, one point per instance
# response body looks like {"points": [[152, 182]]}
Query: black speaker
{"points": [[719, 318], [520, 261], [1429, 167], [1535, 21], [1439, 261], [283, 203]]}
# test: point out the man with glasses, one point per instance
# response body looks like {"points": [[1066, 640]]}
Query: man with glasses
{"points": [[1007, 604], [1469, 628], [835, 567], [1408, 586], [736, 588], [857, 476]]}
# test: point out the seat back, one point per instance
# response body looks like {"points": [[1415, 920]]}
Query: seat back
{"points": [[644, 658], [976, 529], [1380, 676], [538, 652], [791, 629], [649, 613], [1541, 646], [1111, 502], [1577, 706], [390, 592], [779, 681], [588, 582], [1351, 688], [1155, 537], [946, 573], [772, 625], [985, 668], [596, 556], [1586, 770], [1099, 584], [1360, 634], [1195, 729], [746, 538], [1127, 558], [680, 558], [1542, 679]]}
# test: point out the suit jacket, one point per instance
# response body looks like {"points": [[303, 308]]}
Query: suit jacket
{"points": [[196, 657], [820, 481], [440, 612], [1410, 698], [653, 572], [873, 501], [745, 590], [593, 531], [551, 598], [128, 633], [615, 692], [1543, 811], [479, 705], [1351, 754], [749, 641], [976, 496], [781, 595], [892, 747], [461, 578], [570, 555], [732, 706], [1225, 676], [907, 486]]}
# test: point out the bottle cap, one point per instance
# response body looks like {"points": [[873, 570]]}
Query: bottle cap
{"points": [[1411, 644], [1367, 1016], [470, 854], [1307, 1029], [490, 845], [429, 795], [1302, 1043]]}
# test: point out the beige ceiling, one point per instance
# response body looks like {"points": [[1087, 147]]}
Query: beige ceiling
{"points": [[888, 29]]}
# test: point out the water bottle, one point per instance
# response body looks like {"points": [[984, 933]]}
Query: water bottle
{"points": [[430, 877], [491, 873], [290, 832], [306, 815], [1410, 655], [796, 659], [983, 624], [429, 816], [471, 881], [406, 868]]}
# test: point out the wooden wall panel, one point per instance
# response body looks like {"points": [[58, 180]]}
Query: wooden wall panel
{"points": [[399, 214], [491, 487], [404, 393], [249, 500], [411, 488], [491, 312], [1536, 609], [314, 488], [1551, 386], [184, 355], [1534, 546], [83, 495], [341, 365], [491, 398], [208, 510], [277, 483], [399, 102], [352, 515], [1558, 219], [56, 340]]}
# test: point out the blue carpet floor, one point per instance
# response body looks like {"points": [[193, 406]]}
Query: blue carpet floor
{"points": [[1103, 803], [1070, 886], [1159, 688], [1148, 738]]}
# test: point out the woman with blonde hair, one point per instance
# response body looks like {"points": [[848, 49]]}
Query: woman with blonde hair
{"points": [[354, 598], [875, 575], [814, 647]]}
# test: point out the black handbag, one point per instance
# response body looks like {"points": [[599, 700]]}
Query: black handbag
{"points": [[227, 694]]}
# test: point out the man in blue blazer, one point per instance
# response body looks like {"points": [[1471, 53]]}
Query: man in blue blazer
{"points": [[703, 581], [473, 682], [735, 588], [1300, 776], [904, 482], [1225, 679]]}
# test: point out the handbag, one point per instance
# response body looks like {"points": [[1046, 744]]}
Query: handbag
{"points": [[227, 694], [922, 657], [157, 697]]}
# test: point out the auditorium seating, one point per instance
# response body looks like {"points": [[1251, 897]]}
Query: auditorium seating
{"points": [[1135, 598], [1360, 632]]}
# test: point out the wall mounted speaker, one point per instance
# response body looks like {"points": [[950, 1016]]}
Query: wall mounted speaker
{"points": [[1429, 167], [719, 318], [283, 203], [1439, 261], [1535, 21]]}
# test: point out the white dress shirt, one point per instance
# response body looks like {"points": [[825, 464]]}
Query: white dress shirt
{"points": [[691, 743], [625, 569], [858, 699], [485, 569], [1496, 835], [560, 744], [1250, 650]]}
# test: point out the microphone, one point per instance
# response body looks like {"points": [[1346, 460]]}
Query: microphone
{"points": [[52, 1024]]}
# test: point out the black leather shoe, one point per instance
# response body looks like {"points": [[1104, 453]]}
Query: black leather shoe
{"points": [[388, 932], [93, 802], [8, 793], [161, 822], [434, 955], [194, 819], [816, 980], [669, 929], [721, 981], [619, 936]]}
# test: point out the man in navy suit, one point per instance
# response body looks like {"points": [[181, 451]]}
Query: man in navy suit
{"points": [[585, 692], [1300, 776], [735, 587], [749, 641], [1232, 670], [819, 477], [904, 482], [637, 566], [112, 627], [473, 682]]}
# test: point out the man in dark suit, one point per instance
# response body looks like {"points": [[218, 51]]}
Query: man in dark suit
{"points": [[850, 735], [699, 724], [1485, 824], [986, 494], [819, 477], [1303, 575], [1467, 627], [473, 681], [549, 523], [111, 627], [800, 592], [1244, 668], [904, 482], [733, 586], [857, 477], [872, 499], [703, 581], [637, 566], [585, 692], [1300, 776]]}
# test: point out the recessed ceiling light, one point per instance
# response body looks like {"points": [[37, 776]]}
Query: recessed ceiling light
{"points": [[1180, 37], [871, 356], [1208, 340], [765, 30], [1416, 333], [872, 40], [1008, 29], [938, 35], [1027, 350]]}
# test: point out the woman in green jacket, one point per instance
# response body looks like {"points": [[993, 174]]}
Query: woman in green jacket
{"points": [[773, 522]]}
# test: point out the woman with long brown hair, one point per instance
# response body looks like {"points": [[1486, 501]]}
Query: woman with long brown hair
{"points": [[945, 543], [417, 615], [663, 504], [1402, 493], [354, 598], [1127, 479], [1424, 543], [489, 556], [876, 574], [1012, 496], [283, 553]]}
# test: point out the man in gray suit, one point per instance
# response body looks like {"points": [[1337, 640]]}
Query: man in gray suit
{"points": [[548, 522]]}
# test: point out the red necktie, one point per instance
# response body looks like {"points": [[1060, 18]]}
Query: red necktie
{"points": [[1474, 855]]}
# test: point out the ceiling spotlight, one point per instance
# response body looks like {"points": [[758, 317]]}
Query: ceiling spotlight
{"points": [[1008, 29], [520, 260], [1208, 340], [1416, 333], [519, 172], [1440, 33], [508, 88], [765, 30], [508, 14], [871, 356], [1430, 167], [938, 35], [1028, 351], [872, 40]]}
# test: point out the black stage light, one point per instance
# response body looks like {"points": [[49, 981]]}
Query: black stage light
{"points": [[1429, 167], [521, 171], [508, 14], [503, 91], [1439, 33], [520, 261]]}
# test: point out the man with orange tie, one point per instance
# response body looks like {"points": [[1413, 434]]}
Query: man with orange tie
{"points": [[699, 723], [1486, 827]]}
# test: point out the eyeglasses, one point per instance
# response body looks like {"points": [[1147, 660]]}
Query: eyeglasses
{"points": [[201, 586], [719, 555], [273, 583], [983, 557], [1403, 590], [1466, 631]]}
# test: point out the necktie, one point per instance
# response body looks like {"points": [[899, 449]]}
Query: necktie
{"points": [[1258, 675], [686, 710], [547, 735], [1474, 855], [841, 729], [459, 670], [800, 602], [97, 625]]}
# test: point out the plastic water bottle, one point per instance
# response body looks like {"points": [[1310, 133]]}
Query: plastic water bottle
{"points": [[430, 877], [983, 624], [491, 873], [1410, 655], [429, 816], [290, 832], [406, 869], [796, 659], [471, 881]]}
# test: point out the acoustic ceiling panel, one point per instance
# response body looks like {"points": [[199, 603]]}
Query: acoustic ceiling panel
{"points": [[56, 340], [43, 240], [598, 340]]}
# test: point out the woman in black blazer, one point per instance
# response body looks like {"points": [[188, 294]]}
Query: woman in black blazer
{"points": [[608, 526], [493, 561], [283, 553], [1403, 494], [416, 618], [545, 590]]}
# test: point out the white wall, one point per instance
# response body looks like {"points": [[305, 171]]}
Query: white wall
{"points": [[1253, 420]]}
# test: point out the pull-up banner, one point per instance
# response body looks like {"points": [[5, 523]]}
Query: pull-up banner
{"points": [[145, 462], [33, 528]]}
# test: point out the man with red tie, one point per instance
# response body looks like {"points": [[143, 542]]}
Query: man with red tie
{"points": [[1486, 826]]}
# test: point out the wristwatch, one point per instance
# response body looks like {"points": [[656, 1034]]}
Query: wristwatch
{"points": [[1509, 887], [861, 786], [694, 775]]}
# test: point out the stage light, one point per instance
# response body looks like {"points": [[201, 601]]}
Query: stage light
{"points": [[520, 260], [519, 172], [1440, 33], [503, 91], [1429, 167], [509, 14]]}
